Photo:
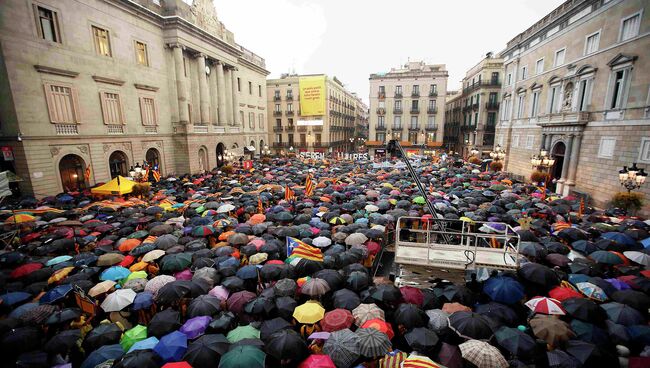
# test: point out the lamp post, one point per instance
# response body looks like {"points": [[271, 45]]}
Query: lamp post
{"points": [[474, 152], [137, 172], [266, 151], [290, 150], [542, 162], [632, 177]]}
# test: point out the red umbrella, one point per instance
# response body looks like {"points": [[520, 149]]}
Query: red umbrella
{"points": [[381, 326], [238, 300], [127, 261], [274, 261], [29, 237], [563, 293], [373, 247], [177, 365], [317, 361], [337, 319], [412, 295], [25, 270]]}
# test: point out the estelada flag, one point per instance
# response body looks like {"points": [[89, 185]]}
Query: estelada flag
{"points": [[87, 173], [289, 195], [156, 173], [309, 186], [297, 248]]}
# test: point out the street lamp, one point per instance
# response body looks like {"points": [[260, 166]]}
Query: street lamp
{"points": [[474, 151], [632, 178], [498, 154], [266, 151], [542, 161]]}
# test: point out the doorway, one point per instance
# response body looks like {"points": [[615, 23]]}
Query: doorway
{"points": [[556, 171], [71, 169], [118, 164]]}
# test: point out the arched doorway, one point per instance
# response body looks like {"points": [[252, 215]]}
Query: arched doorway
{"points": [[220, 153], [153, 158], [119, 164], [252, 152], [203, 159], [558, 153], [71, 169]]}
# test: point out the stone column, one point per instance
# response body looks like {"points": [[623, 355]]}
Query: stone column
{"points": [[575, 156], [221, 93], [235, 99], [214, 100], [181, 85], [543, 145], [204, 96], [228, 92], [549, 142], [567, 160]]}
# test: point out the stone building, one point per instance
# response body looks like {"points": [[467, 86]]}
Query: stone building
{"points": [[108, 84], [479, 103], [577, 83], [453, 139], [404, 105], [291, 132]]}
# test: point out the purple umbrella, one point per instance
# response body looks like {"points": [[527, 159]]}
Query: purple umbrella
{"points": [[618, 284], [195, 327], [450, 356]]}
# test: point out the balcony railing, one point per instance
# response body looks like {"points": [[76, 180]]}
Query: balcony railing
{"points": [[289, 97], [290, 113], [302, 129], [475, 106], [433, 94], [381, 95], [415, 127], [380, 128], [415, 94], [66, 129], [398, 95], [415, 110], [151, 129], [290, 128], [492, 105], [277, 98], [488, 83], [381, 110], [317, 128], [432, 110], [279, 144], [397, 127], [563, 118], [397, 111], [277, 113], [116, 129], [431, 127], [277, 128]]}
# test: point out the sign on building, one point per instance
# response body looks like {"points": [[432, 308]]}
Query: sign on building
{"points": [[312, 96]]}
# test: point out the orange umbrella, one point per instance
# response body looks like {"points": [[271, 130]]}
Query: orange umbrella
{"points": [[60, 275], [225, 235], [140, 266], [455, 307], [257, 218], [380, 325], [129, 244]]}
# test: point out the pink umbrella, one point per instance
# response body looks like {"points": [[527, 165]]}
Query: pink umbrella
{"points": [[412, 295], [220, 292], [186, 274]]}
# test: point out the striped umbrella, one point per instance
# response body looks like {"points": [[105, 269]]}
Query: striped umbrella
{"points": [[337, 319], [393, 359], [546, 305], [372, 342], [365, 312], [418, 361], [315, 287], [482, 354], [592, 291], [343, 347]]}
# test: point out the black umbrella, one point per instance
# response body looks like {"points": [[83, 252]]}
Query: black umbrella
{"points": [[260, 305], [333, 278], [163, 323], [421, 339], [20, 340], [32, 359], [515, 341], [271, 326], [633, 298], [62, 342], [346, 299], [104, 334], [472, 325], [357, 281], [206, 351], [539, 275], [223, 323], [385, 293], [64, 315], [204, 305], [410, 316], [173, 291], [286, 344], [584, 309], [285, 306], [499, 313], [138, 359], [460, 294]]}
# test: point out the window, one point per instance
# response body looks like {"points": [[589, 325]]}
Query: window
{"points": [[414, 104], [559, 57], [524, 72], [250, 88], [111, 108], [141, 56], [317, 139], [289, 93], [591, 43], [432, 104], [47, 24], [630, 26], [261, 119], [382, 90], [554, 99], [398, 90], [539, 66], [584, 93], [276, 95], [290, 107], [381, 136], [431, 121], [530, 140], [515, 141], [290, 139], [413, 137], [290, 122], [606, 148], [102, 41], [520, 105], [303, 139], [241, 118], [398, 105], [534, 106], [414, 122], [277, 108], [259, 90], [644, 150], [278, 138], [433, 89], [238, 85], [491, 118], [416, 90], [278, 122], [251, 120], [506, 109], [62, 103], [397, 122], [509, 79], [619, 88], [381, 122], [495, 78], [148, 111], [492, 98]]}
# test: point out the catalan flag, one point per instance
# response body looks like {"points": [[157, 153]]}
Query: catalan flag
{"points": [[146, 173], [87, 173], [581, 209], [289, 195], [309, 186], [156, 174], [298, 249], [260, 207]]}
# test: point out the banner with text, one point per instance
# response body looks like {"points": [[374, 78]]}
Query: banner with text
{"points": [[312, 96]]}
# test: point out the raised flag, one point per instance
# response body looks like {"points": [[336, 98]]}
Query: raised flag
{"points": [[260, 207], [289, 195], [309, 186], [87, 173], [581, 209], [299, 249], [156, 174]]}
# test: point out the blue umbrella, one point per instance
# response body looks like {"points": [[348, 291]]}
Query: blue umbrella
{"points": [[172, 346], [504, 289], [57, 260], [229, 262], [22, 309], [86, 260], [603, 256], [575, 278], [115, 273], [99, 356], [142, 300], [55, 294], [14, 297], [646, 243], [620, 238], [146, 344], [623, 314], [248, 272], [639, 334]]}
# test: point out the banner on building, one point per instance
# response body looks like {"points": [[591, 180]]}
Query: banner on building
{"points": [[317, 122], [312, 96]]}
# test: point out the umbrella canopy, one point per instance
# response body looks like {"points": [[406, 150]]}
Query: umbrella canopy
{"points": [[337, 319], [206, 350], [372, 342], [482, 354], [365, 312], [343, 347], [471, 325], [504, 289], [515, 341], [309, 313], [545, 305], [241, 333], [286, 344], [243, 356], [551, 329], [421, 339], [132, 336], [118, 300], [171, 347]]}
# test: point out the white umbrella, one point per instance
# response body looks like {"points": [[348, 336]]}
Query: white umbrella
{"points": [[225, 208], [638, 257], [356, 239], [321, 242], [153, 255], [118, 300], [372, 208], [101, 288]]}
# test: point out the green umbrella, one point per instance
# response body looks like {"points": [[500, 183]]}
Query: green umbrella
{"points": [[419, 200], [498, 187], [244, 356], [130, 337], [138, 234], [176, 262], [243, 332]]}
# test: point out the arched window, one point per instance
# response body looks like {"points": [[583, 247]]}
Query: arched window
{"points": [[203, 159], [118, 164], [71, 169], [153, 158], [220, 154]]}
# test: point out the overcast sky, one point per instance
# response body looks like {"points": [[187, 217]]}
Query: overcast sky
{"points": [[350, 39]]}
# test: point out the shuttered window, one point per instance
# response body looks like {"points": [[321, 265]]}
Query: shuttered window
{"points": [[148, 111], [111, 108], [62, 103]]}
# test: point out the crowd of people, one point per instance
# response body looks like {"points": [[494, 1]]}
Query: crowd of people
{"points": [[274, 266]]}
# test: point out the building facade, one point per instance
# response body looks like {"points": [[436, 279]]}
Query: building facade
{"points": [[404, 105], [292, 132], [109, 84], [480, 100], [453, 139], [577, 84]]}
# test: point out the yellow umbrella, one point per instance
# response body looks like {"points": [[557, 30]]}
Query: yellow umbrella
{"points": [[60, 275], [101, 288], [20, 218], [258, 258], [309, 313], [153, 255], [138, 266]]}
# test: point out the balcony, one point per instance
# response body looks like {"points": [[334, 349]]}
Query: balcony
{"points": [[66, 129], [277, 98], [200, 129], [277, 128], [414, 128], [433, 94], [279, 145], [398, 95], [277, 113], [290, 128], [397, 127], [381, 95], [432, 110], [290, 113], [150, 129], [575, 118], [289, 97], [381, 111], [431, 127], [476, 85], [317, 128], [475, 106], [415, 94], [380, 128], [492, 105], [415, 110], [116, 129], [397, 111], [302, 129]]}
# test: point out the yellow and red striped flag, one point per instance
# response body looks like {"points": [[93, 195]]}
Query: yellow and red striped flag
{"points": [[581, 210], [260, 207], [87, 173], [299, 249], [309, 186], [156, 175], [289, 195]]}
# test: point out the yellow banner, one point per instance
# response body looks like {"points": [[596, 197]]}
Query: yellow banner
{"points": [[312, 96]]}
